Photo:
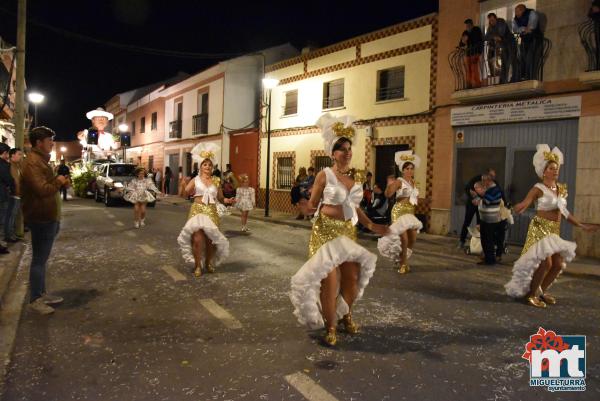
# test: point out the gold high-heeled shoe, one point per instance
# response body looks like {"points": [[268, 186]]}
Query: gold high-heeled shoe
{"points": [[198, 271], [403, 269], [330, 337], [210, 268], [547, 298], [349, 325], [533, 300]]}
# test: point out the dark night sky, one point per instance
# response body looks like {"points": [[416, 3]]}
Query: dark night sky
{"points": [[77, 76]]}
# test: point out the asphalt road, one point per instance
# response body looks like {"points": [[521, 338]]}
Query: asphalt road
{"points": [[136, 325]]}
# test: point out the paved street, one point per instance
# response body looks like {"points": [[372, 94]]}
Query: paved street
{"points": [[136, 325]]}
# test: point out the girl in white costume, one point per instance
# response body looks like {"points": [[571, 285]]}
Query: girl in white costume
{"points": [[140, 191], [405, 226], [201, 234], [245, 199], [544, 253], [338, 269]]}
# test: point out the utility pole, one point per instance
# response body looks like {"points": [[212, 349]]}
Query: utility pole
{"points": [[19, 116]]}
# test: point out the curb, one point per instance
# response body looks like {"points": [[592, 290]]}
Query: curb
{"points": [[8, 273]]}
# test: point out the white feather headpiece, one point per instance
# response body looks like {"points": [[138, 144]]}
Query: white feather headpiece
{"points": [[406, 156], [206, 150], [333, 128], [544, 155]]}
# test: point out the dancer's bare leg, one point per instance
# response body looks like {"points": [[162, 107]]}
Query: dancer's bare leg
{"points": [[349, 282], [329, 291], [536, 281], [210, 251], [412, 238], [403, 268], [552, 274], [142, 211], [198, 240]]}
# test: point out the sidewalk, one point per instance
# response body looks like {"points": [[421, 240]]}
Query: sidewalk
{"points": [[8, 267], [581, 266]]}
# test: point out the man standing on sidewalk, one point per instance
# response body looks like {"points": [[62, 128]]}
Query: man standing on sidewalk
{"points": [[63, 169], [14, 202], [41, 211], [492, 228], [7, 186]]}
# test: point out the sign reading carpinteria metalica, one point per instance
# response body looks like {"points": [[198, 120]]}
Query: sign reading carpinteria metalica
{"points": [[556, 362], [522, 110]]}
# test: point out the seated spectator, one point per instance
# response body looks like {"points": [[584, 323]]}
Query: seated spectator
{"points": [[296, 193], [377, 209], [367, 190], [228, 188]]}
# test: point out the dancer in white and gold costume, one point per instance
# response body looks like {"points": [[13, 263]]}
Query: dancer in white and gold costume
{"points": [[405, 226], [200, 235], [338, 269], [545, 254]]}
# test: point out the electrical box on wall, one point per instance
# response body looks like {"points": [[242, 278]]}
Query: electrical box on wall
{"points": [[369, 131]]}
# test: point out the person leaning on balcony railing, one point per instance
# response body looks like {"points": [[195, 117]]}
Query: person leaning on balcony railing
{"points": [[526, 25], [472, 42], [502, 46]]}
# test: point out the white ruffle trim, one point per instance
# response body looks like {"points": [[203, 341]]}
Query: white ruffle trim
{"points": [[306, 283], [390, 246], [525, 266], [204, 223]]}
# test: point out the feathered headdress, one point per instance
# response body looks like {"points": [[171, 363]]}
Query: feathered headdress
{"points": [[544, 155], [206, 150], [333, 128], [406, 156]]}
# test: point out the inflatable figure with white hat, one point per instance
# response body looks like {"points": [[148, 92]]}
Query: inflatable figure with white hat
{"points": [[106, 141]]}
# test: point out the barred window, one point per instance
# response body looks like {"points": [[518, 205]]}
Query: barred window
{"points": [[333, 94], [291, 103], [285, 172], [142, 125], [321, 162], [390, 84]]}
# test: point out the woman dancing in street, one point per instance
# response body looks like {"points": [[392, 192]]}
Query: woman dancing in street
{"points": [[200, 235], [338, 269], [140, 191], [544, 253], [398, 245], [245, 200]]}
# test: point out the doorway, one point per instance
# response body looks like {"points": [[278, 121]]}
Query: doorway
{"points": [[174, 165], [243, 155], [385, 164], [509, 149]]}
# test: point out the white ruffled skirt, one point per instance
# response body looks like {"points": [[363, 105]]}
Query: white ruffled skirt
{"points": [[542, 241], [390, 246], [138, 196], [203, 217], [306, 283]]}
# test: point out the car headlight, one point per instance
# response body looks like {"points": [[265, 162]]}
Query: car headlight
{"points": [[118, 185]]}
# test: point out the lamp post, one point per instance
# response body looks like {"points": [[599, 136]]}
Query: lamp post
{"points": [[63, 149], [35, 98], [123, 130], [268, 84]]}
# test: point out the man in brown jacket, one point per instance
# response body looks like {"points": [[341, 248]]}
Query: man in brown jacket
{"points": [[40, 197]]}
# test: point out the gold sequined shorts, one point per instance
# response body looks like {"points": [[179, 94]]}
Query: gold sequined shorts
{"points": [[540, 228], [326, 229], [402, 208], [210, 210]]}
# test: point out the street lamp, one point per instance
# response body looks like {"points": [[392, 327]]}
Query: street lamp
{"points": [[63, 149], [268, 84], [35, 98], [123, 130]]}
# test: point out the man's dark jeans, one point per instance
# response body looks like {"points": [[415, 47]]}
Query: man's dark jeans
{"points": [[42, 240], [492, 240], [11, 217], [470, 211], [3, 214]]}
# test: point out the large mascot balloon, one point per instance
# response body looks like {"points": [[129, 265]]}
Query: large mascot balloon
{"points": [[96, 140]]}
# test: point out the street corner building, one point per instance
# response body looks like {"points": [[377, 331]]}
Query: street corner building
{"points": [[526, 90], [384, 79]]}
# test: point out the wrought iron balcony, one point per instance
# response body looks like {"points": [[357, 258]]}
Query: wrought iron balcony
{"points": [[200, 124], [589, 33], [502, 62], [175, 129]]}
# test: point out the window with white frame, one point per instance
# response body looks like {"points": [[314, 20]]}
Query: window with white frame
{"points": [[291, 103], [333, 94], [390, 84]]}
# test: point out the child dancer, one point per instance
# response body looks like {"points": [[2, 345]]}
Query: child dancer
{"points": [[140, 191], [245, 200]]}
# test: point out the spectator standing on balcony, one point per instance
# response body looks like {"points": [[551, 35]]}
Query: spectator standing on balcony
{"points": [[526, 25], [472, 42], [502, 47]]}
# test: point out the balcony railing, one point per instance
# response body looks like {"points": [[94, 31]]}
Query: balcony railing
{"points": [[200, 124], [494, 63], [589, 33], [175, 129]]}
